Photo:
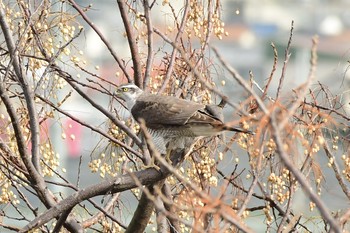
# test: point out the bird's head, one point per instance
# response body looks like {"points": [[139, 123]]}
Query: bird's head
{"points": [[129, 93]]}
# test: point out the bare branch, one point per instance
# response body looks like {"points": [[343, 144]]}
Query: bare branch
{"points": [[336, 170], [136, 60], [242, 82], [103, 39], [121, 144], [150, 52], [286, 59], [274, 66], [170, 67], [276, 129], [115, 185], [28, 93], [122, 126], [305, 87], [142, 214]]}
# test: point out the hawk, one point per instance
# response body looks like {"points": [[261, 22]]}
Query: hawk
{"points": [[171, 120]]}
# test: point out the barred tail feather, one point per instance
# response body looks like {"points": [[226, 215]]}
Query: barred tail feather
{"points": [[233, 129]]}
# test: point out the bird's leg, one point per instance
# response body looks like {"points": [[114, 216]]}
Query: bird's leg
{"points": [[167, 156]]}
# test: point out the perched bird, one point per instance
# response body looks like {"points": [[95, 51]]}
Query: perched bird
{"points": [[171, 120]]}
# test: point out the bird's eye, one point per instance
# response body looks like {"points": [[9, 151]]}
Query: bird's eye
{"points": [[125, 89]]}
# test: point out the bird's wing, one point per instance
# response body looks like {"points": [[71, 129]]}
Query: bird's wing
{"points": [[215, 111], [162, 111]]}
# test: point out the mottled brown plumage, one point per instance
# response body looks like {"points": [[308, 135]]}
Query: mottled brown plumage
{"points": [[167, 111], [170, 119]]}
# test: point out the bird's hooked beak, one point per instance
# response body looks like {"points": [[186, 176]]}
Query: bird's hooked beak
{"points": [[118, 94]]}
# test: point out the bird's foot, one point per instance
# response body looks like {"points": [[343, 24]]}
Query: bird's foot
{"points": [[152, 164], [155, 166]]}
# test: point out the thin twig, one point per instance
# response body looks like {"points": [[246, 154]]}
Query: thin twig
{"points": [[274, 66], [305, 87], [28, 93], [118, 123], [121, 144], [336, 170], [170, 67], [103, 39], [256, 173], [300, 177], [290, 199], [130, 35], [241, 81], [150, 53], [107, 208], [286, 59]]}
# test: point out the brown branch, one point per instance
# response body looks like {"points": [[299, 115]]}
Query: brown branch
{"points": [[136, 60], [305, 87], [170, 67], [119, 184], [241, 81], [286, 59], [161, 219], [118, 123], [9, 227], [106, 209], [157, 202], [345, 217], [103, 39], [34, 176], [121, 144], [28, 93], [274, 66], [331, 110], [336, 170], [102, 210], [276, 129], [150, 53], [142, 214], [170, 215], [169, 206], [61, 220]]}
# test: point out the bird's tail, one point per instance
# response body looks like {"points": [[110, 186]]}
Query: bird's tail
{"points": [[238, 130]]}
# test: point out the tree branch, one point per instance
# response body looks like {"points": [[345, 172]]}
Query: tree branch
{"points": [[118, 123], [103, 39], [150, 53], [28, 94], [121, 144], [286, 59], [170, 67], [300, 177], [115, 185], [136, 60]]}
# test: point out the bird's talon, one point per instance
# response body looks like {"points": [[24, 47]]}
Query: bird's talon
{"points": [[151, 165]]}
